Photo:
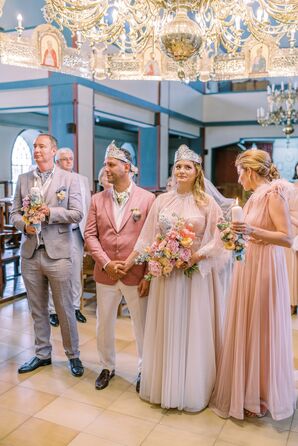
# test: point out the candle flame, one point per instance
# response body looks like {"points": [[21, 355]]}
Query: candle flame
{"points": [[237, 202], [19, 17]]}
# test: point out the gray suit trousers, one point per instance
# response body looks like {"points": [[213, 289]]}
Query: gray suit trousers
{"points": [[76, 272], [38, 272]]}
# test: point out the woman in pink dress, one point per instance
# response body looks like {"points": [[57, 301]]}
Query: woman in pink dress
{"points": [[255, 372], [292, 253]]}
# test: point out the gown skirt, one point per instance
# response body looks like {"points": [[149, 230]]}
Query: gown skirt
{"points": [[256, 363], [179, 363]]}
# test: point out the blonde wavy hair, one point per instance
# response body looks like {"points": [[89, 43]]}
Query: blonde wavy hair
{"points": [[198, 188], [260, 162]]}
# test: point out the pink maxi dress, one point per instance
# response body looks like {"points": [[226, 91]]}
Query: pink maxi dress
{"points": [[292, 253], [256, 363]]}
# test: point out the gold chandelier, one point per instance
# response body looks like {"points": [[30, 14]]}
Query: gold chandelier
{"points": [[181, 29]]}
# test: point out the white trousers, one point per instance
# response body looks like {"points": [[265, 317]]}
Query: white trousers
{"points": [[108, 300], [76, 280]]}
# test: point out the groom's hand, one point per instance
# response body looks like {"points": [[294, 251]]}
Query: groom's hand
{"points": [[114, 271]]}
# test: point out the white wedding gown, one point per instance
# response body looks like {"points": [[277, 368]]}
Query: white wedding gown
{"points": [[184, 315]]}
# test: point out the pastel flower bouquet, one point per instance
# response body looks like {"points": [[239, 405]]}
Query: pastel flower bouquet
{"points": [[169, 251], [232, 241], [31, 209]]}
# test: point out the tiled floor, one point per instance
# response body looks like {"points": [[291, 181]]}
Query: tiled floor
{"points": [[49, 407]]}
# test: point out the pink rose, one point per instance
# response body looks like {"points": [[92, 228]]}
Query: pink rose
{"points": [[184, 254], [155, 268], [173, 246], [173, 235]]}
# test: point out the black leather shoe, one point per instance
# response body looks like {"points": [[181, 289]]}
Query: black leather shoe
{"points": [[76, 367], [54, 321], [138, 383], [102, 381], [33, 364], [80, 317]]}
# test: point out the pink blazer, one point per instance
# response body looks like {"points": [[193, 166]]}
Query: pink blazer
{"points": [[103, 240]]}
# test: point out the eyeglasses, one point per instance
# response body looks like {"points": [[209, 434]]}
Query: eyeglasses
{"points": [[66, 159]]}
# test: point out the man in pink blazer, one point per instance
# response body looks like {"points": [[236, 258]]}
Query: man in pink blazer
{"points": [[114, 222]]}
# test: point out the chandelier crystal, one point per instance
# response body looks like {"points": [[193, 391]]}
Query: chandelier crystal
{"points": [[179, 28], [282, 108]]}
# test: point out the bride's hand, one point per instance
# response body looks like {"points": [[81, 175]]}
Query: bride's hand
{"points": [[195, 258]]}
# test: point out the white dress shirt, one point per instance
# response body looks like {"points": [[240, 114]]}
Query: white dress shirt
{"points": [[119, 209]]}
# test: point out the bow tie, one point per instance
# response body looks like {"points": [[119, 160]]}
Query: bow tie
{"points": [[121, 197]]}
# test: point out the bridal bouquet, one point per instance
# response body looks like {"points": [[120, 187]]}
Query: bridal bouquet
{"points": [[232, 241], [169, 251], [31, 209]]}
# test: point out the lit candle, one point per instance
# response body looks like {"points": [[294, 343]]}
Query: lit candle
{"points": [[237, 213], [20, 20]]}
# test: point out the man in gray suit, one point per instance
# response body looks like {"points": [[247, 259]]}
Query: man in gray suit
{"points": [[46, 257], [64, 159]]}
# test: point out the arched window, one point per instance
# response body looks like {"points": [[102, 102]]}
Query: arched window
{"points": [[21, 159]]}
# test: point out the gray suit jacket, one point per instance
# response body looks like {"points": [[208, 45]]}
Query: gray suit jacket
{"points": [[86, 200], [56, 233]]}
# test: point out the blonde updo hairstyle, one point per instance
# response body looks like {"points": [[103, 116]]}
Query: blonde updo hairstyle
{"points": [[260, 162]]}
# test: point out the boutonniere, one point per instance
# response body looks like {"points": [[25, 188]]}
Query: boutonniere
{"points": [[60, 194], [136, 214]]}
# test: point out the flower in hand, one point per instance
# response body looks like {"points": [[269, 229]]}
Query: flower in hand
{"points": [[171, 250], [232, 236]]}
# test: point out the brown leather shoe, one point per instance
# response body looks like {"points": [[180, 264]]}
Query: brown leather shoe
{"points": [[102, 381]]}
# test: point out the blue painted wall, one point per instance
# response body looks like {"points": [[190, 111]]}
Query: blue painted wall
{"points": [[148, 157]]}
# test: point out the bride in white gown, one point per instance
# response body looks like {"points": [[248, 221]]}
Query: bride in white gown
{"points": [[179, 362]]}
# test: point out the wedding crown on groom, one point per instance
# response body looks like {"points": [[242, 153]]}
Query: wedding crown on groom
{"points": [[185, 153], [113, 151]]}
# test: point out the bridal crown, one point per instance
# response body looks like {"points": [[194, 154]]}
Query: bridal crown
{"points": [[113, 151], [185, 153]]}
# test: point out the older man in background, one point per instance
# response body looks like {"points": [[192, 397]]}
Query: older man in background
{"points": [[46, 253], [65, 160]]}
